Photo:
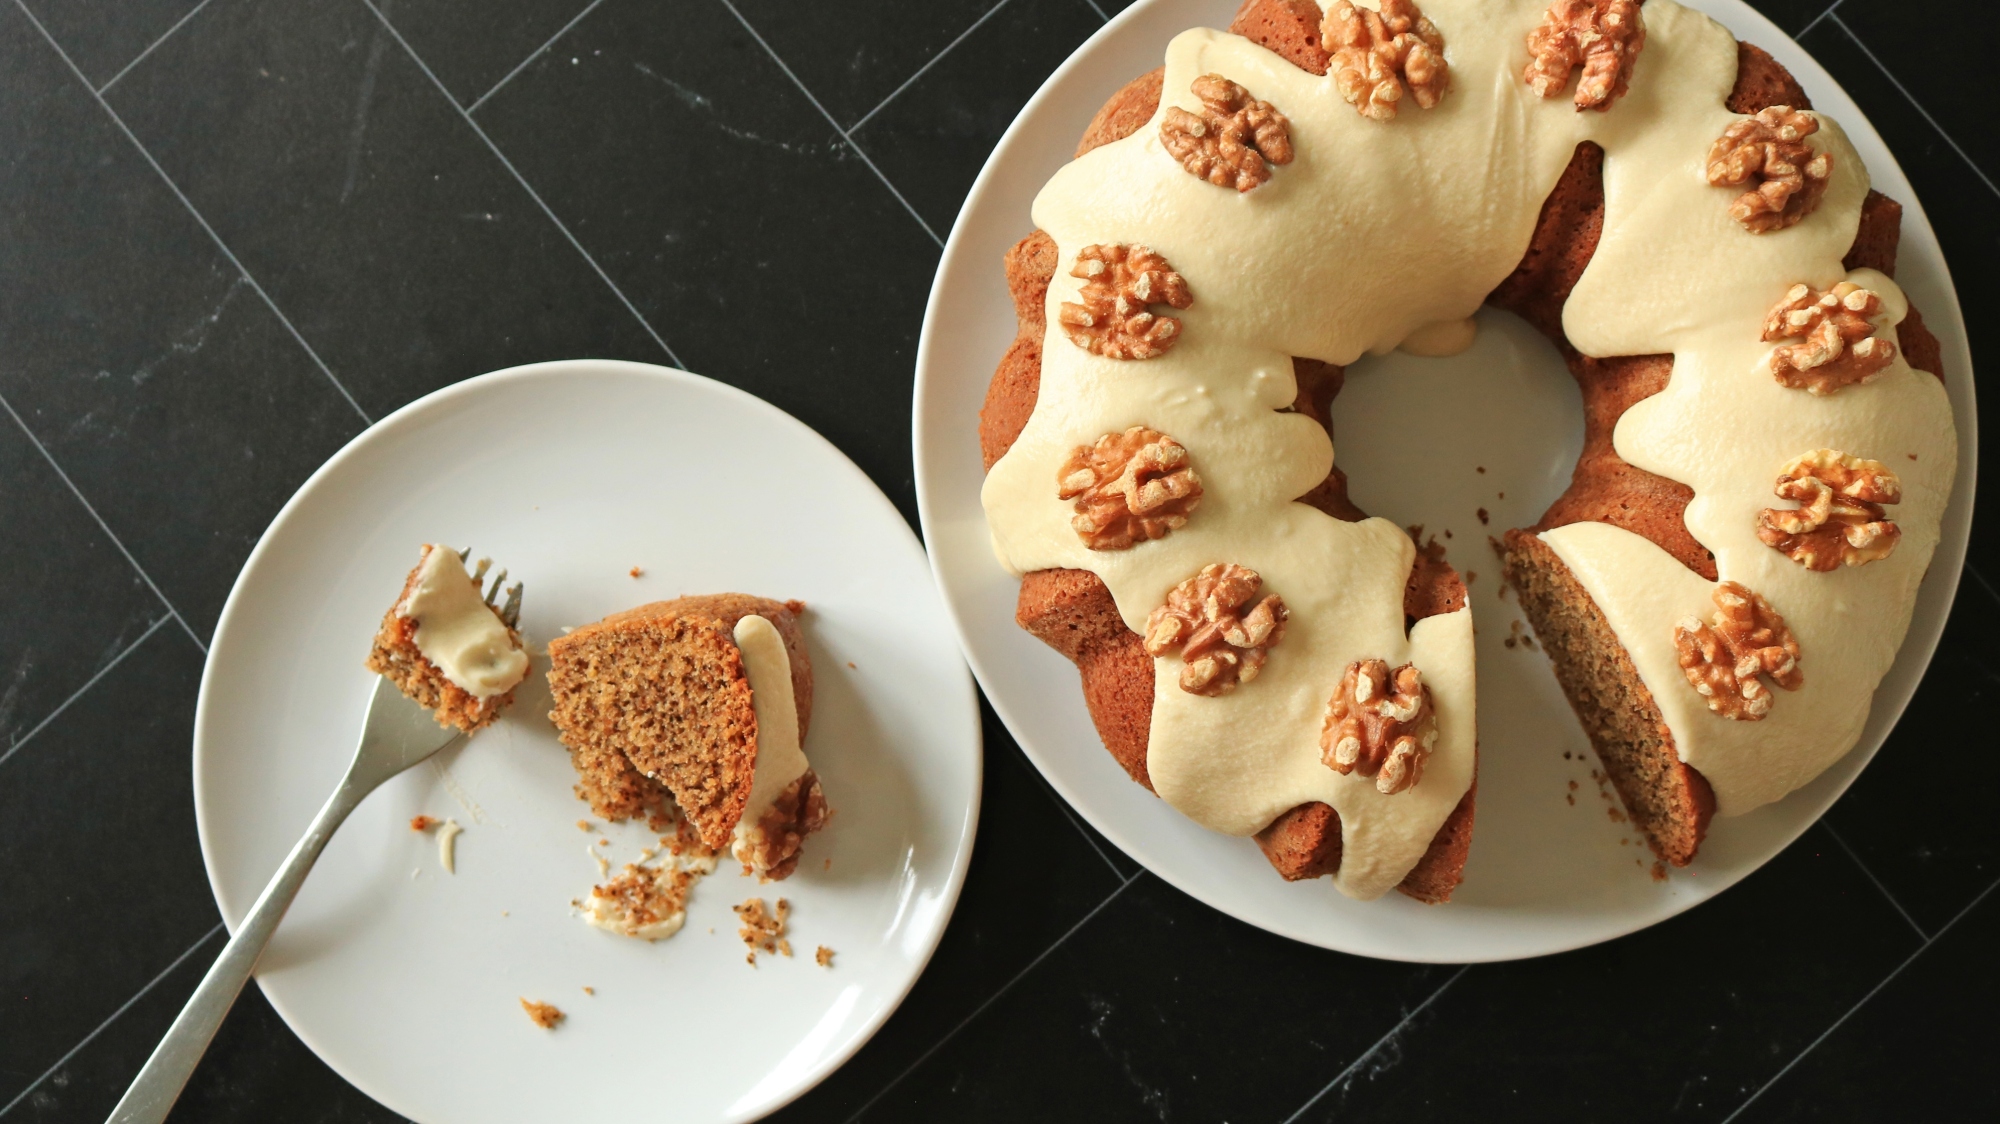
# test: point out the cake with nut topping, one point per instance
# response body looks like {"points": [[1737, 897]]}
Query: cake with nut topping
{"points": [[1315, 185]]}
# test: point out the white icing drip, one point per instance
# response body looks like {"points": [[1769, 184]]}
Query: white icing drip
{"points": [[1371, 237], [458, 632], [780, 760]]}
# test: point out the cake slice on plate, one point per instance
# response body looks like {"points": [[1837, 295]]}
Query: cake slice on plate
{"points": [[705, 699]]}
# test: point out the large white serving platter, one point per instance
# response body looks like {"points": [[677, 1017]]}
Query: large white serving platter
{"points": [[404, 978], [1545, 874]]}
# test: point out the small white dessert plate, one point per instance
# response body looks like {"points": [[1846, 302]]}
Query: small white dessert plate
{"points": [[1550, 868], [407, 979]]}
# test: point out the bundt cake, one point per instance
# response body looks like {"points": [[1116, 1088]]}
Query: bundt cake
{"points": [[701, 703], [448, 649], [1313, 186]]}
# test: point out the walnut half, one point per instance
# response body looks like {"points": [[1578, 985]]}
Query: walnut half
{"points": [[1377, 53], [1601, 36], [1120, 285], [1839, 346], [1222, 638], [1839, 520], [1768, 154], [1129, 487], [1230, 141], [1726, 663], [1381, 724]]}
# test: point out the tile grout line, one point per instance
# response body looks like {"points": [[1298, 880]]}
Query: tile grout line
{"points": [[537, 53], [851, 143], [141, 56], [198, 216], [101, 524], [1379, 1043], [1837, 1023], [115, 1015], [924, 69], [1801, 33], [1062, 806], [1983, 583], [991, 999], [466, 116], [87, 685], [1838, 838], [1919, 106]]}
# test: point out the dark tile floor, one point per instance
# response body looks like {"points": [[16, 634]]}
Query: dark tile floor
{"points": [[232, 232]]}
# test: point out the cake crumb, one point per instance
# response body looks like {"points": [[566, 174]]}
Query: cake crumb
{"points": [[448, 845], [1617, 816], [827, 865], [589, 990], [762, 930], [1484, 517], [850, 663], [546, 1015], [422, 823], [823, 956], [1482, 469], [1659, 872], [1471, 576], [604, 842], [636, 571], [583, 825]]}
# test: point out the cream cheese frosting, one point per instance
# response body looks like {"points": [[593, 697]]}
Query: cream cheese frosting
{"points": [[457, 631], [780, 759], [1385, 234]]}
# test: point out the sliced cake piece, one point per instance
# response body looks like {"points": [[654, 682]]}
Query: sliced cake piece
{"points": [[448, 648], [708, 697]]}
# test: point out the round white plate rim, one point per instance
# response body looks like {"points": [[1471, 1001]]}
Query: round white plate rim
{"points": [[443, 399], [1919, 644]]}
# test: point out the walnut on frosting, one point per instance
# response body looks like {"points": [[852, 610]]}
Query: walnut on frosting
{"points": [[1222, 638], [1601, 36], [1233, 141], [1728, 661], [1838, 346], [1380, 723], [1768, 154], [1377, 54], [1129, 487], [1120, 285], [1839, 520]]}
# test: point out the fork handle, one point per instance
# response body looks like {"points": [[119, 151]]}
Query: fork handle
{"points": [[158, 1086]]}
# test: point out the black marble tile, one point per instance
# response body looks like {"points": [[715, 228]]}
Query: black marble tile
{"points": [[852, 55], [471, 45], [1792, 15], [1931, 47], [1162, 1008], [256, 1069], [69, 602], [1928, 843], [86, 1085], [104, 36], [932, 140], [1121, 864], [98, 858], [392, 237], [1680, 1021], [1963, 209], [1033, 878], [759, 243], [1917, 1050], [153, 373]]}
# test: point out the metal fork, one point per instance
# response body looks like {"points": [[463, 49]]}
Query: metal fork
{"points": [[398, 734]]}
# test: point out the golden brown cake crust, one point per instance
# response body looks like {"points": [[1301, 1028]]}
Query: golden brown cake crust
{"points": [[1073, 612], [662, 687]]}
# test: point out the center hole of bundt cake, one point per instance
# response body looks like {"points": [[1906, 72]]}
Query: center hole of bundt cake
{"points": [[1470, 444]]}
